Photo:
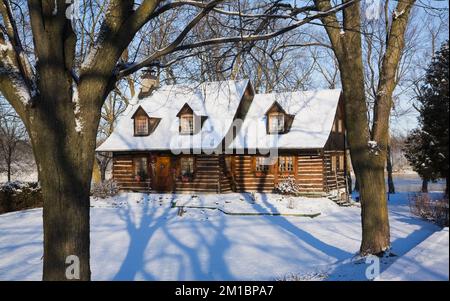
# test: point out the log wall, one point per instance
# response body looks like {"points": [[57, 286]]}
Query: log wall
{"points": [[245, 179], [310, 176], [123, 174], [210, 176]]}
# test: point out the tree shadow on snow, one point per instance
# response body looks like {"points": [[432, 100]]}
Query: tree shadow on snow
{"points": [[199, 255], [140, 234], [304, 236]]}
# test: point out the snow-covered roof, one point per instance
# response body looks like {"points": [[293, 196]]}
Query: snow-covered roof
{"points": [[218, 101], [314, 116]]}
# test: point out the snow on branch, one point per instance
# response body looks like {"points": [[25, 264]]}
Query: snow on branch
{"points": [[76, 108], [398, 14], [11, 71], [373, 147]]}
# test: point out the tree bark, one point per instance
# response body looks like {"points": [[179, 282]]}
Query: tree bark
{"points": [[391, 186], [367, 147], [8, 163], [424, 186], [64, 156]]}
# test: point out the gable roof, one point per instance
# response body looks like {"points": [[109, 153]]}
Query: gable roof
{"points": [[275, 107], [139, 110], [217, 100], [314, 116]]}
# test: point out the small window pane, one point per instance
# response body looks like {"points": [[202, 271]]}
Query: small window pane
{"points": [[289, 164], [187, 124], [260, 165], [187, 166], [276, 123], [286, 164], [140, 168], [141, 125]]}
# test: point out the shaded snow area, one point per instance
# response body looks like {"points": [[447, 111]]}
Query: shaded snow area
{"points": [[145, 237], [428, 260]]}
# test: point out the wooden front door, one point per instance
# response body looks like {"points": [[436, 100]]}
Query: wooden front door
{"points": [[163, 174]]}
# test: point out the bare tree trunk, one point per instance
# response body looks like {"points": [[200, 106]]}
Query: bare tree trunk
{"points": [[391, 186], [8, 163], [424, 186], [367, 147], [64, 156]]}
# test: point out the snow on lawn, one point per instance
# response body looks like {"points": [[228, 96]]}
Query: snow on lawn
{"points": [[257, 204], [428, 260], [139, 236]]}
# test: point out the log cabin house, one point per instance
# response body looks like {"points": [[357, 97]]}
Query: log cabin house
{"points": [[216, 137]]}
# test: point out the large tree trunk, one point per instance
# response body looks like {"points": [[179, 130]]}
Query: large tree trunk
{"points": [[368, 164], [367, 147], [356, 185], [391, 186], [64, 155]]}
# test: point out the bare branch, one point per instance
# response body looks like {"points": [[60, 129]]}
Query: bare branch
{"points": [[245, 38]]}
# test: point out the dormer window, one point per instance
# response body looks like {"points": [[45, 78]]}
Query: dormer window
{"points": [[278, 120], [190, 122], [276, 123], [187, 124], [141, 126]]}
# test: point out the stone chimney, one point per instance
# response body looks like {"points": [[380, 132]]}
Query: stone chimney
{"points": [[149, 83]]}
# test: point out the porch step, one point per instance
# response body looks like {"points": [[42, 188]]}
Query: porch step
{"points": [[339, 201]]}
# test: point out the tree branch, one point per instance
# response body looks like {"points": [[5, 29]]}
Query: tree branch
{"points": [[175, 46]]}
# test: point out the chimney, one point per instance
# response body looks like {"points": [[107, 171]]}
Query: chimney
{"points": [[149, 83]]}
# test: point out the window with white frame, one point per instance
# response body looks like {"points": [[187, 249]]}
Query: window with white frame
{"points": [[261, 164], [286, 164], [187, 124], [276, 123], [141, 125]]}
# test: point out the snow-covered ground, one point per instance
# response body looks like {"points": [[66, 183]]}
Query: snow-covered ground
{"points": [[139, 236], [425, 261]]}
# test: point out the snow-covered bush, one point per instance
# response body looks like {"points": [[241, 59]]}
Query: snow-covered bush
{"points": [[433, 210], [288, 186], [15, 196], [105, 189]]}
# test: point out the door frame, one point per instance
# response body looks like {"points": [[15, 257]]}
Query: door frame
{"points": [[168, 183]]}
